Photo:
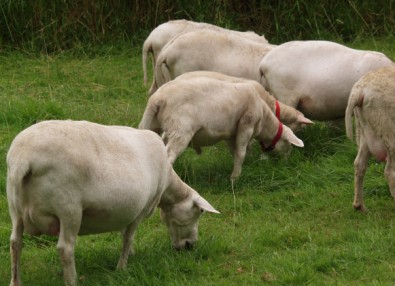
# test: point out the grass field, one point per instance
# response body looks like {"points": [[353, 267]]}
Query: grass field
{"points": [[287, 222]]}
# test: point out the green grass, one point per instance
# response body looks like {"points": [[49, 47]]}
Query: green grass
{"points": [[287, 222]]}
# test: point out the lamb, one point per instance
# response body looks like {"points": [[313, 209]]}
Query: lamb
{"points": [[316, 77], [202, 111], [162, 34], [372, 100], [211, 51], [69, 178]]}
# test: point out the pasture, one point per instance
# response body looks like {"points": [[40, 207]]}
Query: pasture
{"points": [[285, 222]]}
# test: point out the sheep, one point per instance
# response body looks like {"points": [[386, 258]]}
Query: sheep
{"points": [[372, 101], [69, 178], [289, 116], [316, 77], [211, 51], [202, 111], [162, 34]]}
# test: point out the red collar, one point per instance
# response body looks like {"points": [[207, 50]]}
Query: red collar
{"points": [[275, 140], [277, 110]]}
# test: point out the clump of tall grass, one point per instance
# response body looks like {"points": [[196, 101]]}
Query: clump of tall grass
{"points": [[48, 26]]}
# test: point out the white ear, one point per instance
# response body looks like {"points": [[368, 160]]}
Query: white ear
{"points": [[291, 137], [304, 120], [205, 205]]}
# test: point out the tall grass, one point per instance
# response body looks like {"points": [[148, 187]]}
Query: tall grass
{"points": [[48, 26], [287, 223]]}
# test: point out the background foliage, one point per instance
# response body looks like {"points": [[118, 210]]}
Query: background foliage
{"points": [[55, 25]]}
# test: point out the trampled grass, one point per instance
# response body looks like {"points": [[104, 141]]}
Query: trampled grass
{"points": [[287, 222]]}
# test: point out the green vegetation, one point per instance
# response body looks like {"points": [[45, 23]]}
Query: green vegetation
{"points": [[287, 222], [50, 26]]}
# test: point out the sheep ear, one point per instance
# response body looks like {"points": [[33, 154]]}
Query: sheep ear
{"points": [[291, 137], [304, 120], [205, 205]]}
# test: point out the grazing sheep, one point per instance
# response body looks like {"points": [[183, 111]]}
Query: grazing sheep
{"points": [[316, 77], [69, 178], [211, 51], [162, 34], [289, 116], [372, 100], [202, 111]]}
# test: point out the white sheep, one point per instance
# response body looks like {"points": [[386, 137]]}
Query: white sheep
{"points": [[162, 34], [209, 50], [69, 178], [372, 101], [316, 77], [201, 111]]}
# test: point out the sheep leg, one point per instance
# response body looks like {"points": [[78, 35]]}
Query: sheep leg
{"points": [[389, 172], [127, 247], [69, 228], [176, 145], [360, 165], [242, 139], [15, 249]]}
